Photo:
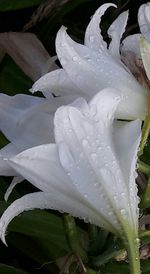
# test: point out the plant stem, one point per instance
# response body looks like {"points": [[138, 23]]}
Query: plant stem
{"points": [[145, 199], [73, 238], [133, 255], [146, 127], [145, 168]]}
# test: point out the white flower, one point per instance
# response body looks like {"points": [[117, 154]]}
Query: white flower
{"points": [[89, 172], [89, 68], [26, 121]]}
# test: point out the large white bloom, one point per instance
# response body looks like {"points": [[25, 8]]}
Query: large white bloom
{"points": [[26, 121], [89, 68], [89, 172]]}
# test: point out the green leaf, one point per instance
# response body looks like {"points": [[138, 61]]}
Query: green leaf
{"points": [[123, 268], [40, 224], [12, 79], [145, 168], [145, 198], [146, 155], [72, 235], [144, 236], [42, 252], [7, 5], [145, 266], [98, 238], [116, 268], [115, 248], [5, 269]]}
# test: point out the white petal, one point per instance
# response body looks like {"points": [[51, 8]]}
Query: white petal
{"points": [[106, 102], [127, 139], [87, 154], [56, 82], [93, 38], [6, 152], [145, 54], [132, 43], [99, 71], [144, 20], [27, 51], [25, 120], [75, 59], [116, 31], [42, 200], [50, 65], [41, 166], [15, 181]]}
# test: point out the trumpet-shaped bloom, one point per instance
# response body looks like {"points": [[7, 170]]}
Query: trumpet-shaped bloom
{"points": [[89, 172], [89, 68], [26, 121]]}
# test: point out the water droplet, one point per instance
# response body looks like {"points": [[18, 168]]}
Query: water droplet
{"points": [[63, 44], [86, 220], [137, 241], [115, 198], [123, 212], [84, 142], [91, 38], [94, 156], [81, 154], [74, 58], [63, 60], [89, 59]]}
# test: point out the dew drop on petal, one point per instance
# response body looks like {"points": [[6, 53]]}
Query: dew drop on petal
{"points": [[74, 58], [93, 156], [84, 142], [123, 212], [91, 38]]}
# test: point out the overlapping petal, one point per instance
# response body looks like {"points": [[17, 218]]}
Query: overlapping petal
{"points": [[84, 173], [8, 151], [93, 38], [116, 31], [56, 82], [89, 68], [26, 121], [144, 20]]}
